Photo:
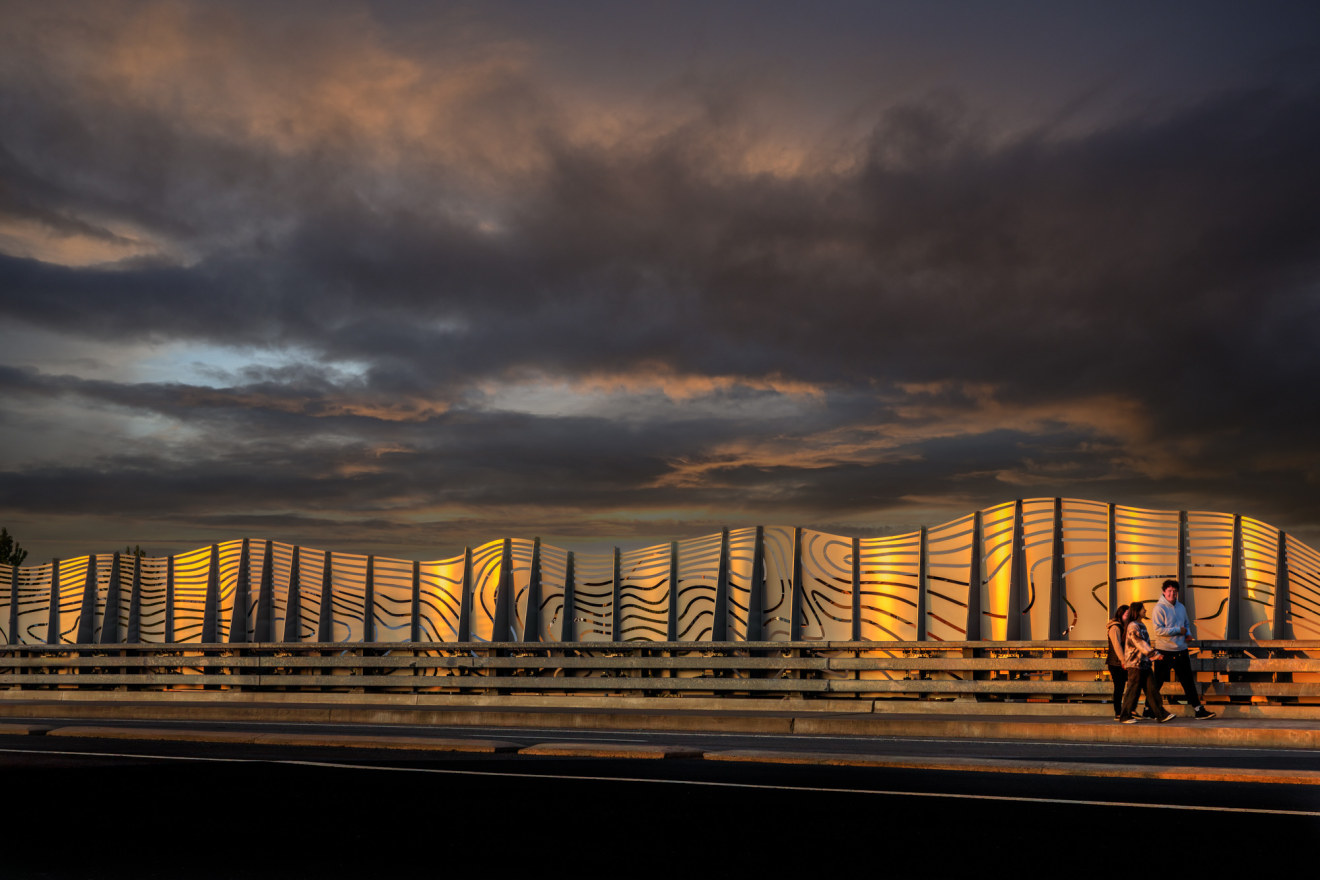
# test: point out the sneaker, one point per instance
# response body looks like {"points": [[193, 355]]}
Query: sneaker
{"points": [[1148, 713], [1202, 713], [1168, 716], [1132, 719]]}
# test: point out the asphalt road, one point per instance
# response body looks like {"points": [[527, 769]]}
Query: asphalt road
{"points": [[125, 808]]}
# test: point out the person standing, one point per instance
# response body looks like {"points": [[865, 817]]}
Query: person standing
{"points": [[1172, 630], [1137, 657], [1116, 633]]}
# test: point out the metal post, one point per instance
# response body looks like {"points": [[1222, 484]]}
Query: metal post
{"points": [[369, 602], [1058, 586], [210, 620], [53, 618], [568, 626], [325, 630], [415, 610], [973, 633], [1233, 624], [238, 615], [720, 628], [756, 589], [110, 616], [795, 607], [1113, 561], [293, 605], [169, 600], [499, 630], [13, 605], [923, 584], [532, 619], [671, 633], [856, 634], [135, 604], [265, 626], [1017, 574], [1282, 594], [465, 602], [86, 634]]}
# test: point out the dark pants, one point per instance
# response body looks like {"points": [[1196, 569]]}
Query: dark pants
{"points": [[1119, 675], [1137, 681], [1181, 664]]}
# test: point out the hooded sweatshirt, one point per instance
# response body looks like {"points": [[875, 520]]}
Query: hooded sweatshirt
{"points": [[1166, 621]]}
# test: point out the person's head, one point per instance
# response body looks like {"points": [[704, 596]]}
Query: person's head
{"points": [[1120, 614], [1136, 611], [1170, 591]]}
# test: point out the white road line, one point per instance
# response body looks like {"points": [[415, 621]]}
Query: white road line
{"points": [[1312, 814]]}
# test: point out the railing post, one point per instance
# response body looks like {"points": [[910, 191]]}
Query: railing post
{"points": [[856, 634]]}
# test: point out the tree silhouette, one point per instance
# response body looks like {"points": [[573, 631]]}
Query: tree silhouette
{"points": [[11, 552]]}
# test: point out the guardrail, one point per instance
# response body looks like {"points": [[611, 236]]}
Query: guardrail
{"points": [[1266, 672]]}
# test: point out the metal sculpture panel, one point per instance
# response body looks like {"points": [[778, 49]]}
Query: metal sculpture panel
{"points": [[1034, 569]]}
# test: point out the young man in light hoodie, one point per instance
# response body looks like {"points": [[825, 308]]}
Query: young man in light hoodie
{"points": [[1172, 629]]}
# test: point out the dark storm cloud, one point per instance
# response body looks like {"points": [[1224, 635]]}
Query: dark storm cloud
{"points": [[1125, 308]]}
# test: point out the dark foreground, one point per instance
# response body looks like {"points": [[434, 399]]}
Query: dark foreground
{"points": [[87, 808]]}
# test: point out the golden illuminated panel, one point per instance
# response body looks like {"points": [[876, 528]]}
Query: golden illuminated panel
{"points": [[1042, 569], [1303, 606], [153, 601], [777, 600], [1146, 552], [890, 579], [827, 576], [1085, 566], [441, 599], [644, 594], [593, 597], [742, 547], [311, 579], [1209, 571], [33, 603], [73, 582], [948, 579], [996, 570], [1260, 548], [554, 571], [520, 571], [1038, 544], [281, 571], [486, 562], [392, 582], [698, 569]]}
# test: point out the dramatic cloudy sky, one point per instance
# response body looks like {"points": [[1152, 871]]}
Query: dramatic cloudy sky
{"points": [[397, 277]]}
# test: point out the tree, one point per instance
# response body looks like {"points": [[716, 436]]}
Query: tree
{"points": [[11, 552]]}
